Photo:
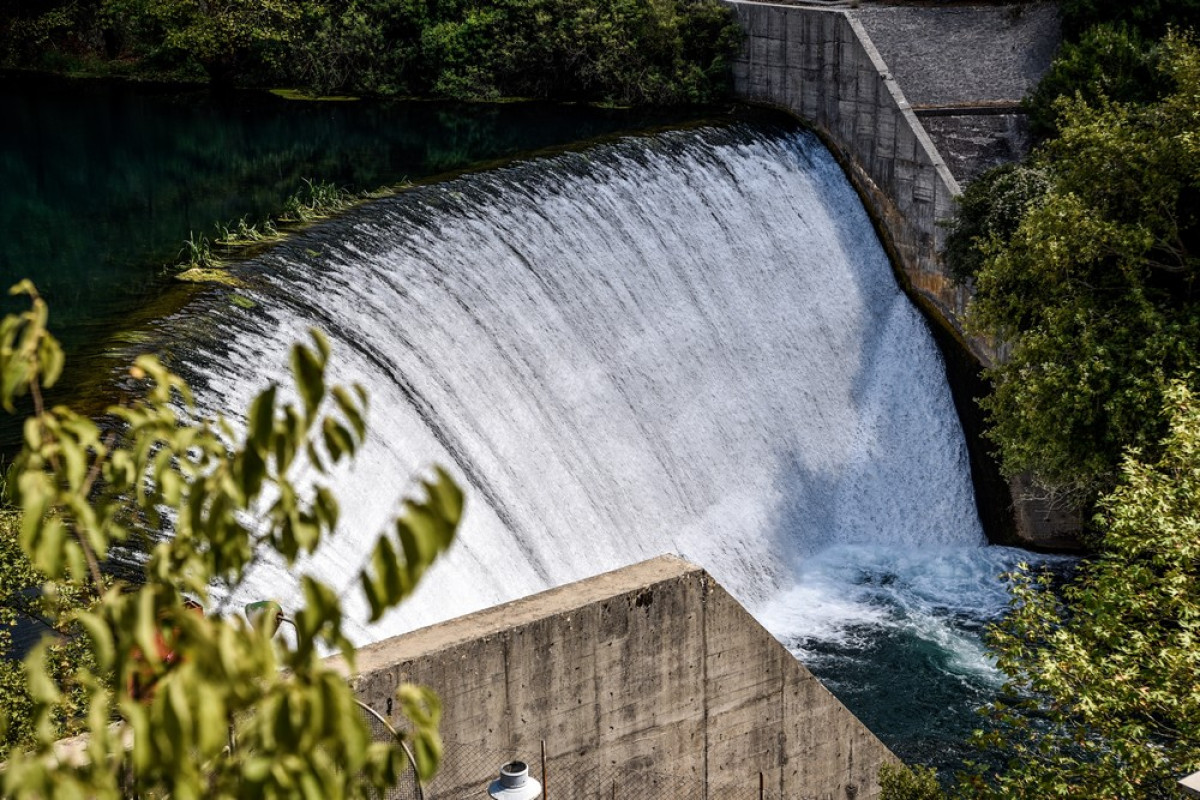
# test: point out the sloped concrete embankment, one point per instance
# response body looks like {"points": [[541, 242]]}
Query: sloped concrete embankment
{"points": [[964, 69]]}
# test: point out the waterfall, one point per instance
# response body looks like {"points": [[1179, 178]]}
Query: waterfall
{"points": [[690, 342]]}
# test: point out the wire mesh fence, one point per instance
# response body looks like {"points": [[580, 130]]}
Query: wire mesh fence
{"points": [[468, 768]]}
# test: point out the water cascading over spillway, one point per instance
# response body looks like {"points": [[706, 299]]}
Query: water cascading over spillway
{"points": [[689, 343]]}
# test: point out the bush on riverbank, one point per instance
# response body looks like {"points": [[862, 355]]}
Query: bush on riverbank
{"points": [[621, 51], [1085, 259]]}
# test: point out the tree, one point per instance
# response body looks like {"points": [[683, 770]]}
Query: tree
{"points": [[22, 599], [901, 782], [1095, 290], [178, 703], [232, 40], [1150, 17], [1109, 62], [991, 207], [1104, 699]]}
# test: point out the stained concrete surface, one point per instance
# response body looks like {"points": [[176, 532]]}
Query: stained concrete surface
{"points": [[650, 672]]}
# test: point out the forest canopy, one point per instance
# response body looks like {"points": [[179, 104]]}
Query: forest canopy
{"points": [[620, 51]]}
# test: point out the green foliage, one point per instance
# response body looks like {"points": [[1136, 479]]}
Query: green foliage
{"points": [[316, 200], [197, 252], [1094, 288], [1150, 17], [45, 30], [990, 210], [336, 52], [174, 702], [229, 39], [1109, 62], [243, 232], [619, 51], [1103, 694], [900, 782], [23, 597], [623, 51]]}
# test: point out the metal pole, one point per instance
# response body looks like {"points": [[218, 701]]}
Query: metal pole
{"points": [[762, 786], [545, 791]]}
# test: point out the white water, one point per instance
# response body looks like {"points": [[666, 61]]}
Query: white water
{"points": [[691, 343]]}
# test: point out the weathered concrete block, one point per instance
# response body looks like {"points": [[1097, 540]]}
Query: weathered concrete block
{"points": [[885, 134], [653, 670], [924, 190], [744, 684]]}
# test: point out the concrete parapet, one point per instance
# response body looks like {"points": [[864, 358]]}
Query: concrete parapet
{"points": [[649, 671]]}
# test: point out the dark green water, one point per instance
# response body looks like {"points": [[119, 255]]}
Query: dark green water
{"points": [[100, 182]]}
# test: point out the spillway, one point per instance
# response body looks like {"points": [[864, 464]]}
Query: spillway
{"points": [[690, 342]]}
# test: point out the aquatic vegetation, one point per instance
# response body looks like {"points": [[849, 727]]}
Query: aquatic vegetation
{"points": [[318, 200], [239, 233], [197, 252], [203, 260], [209, 275]]}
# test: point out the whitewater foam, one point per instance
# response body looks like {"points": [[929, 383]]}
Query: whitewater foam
{"points": [[690, 343]]}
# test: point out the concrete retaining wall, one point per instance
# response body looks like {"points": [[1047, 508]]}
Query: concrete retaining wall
{"points": [[652, 673], [972, 143], [965, 69], [820, 64]]}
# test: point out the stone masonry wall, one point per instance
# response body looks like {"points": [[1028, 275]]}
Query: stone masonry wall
{"points": [[649, 671], [965, 69], [964, 55], [821, 65]]}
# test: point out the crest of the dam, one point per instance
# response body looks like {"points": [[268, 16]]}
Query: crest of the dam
{"points": [[652, 681]]}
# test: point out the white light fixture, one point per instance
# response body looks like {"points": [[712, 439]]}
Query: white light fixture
{"points": [[515, 783]]}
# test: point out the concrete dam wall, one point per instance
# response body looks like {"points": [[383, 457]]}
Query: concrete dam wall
{"points": [[914, 100], [958, 73], [650, 681], [822, 66]]}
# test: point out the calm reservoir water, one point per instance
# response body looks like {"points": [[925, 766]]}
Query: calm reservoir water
{"points": [[102, 181], [689, 341]]}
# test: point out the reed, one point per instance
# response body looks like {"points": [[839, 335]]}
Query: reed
{"points": [[197, 252], [202, 259], [318, 200], [242, 232]]}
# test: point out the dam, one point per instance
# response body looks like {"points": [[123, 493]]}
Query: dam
{"points": [[690, 342], [631, 350]]}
